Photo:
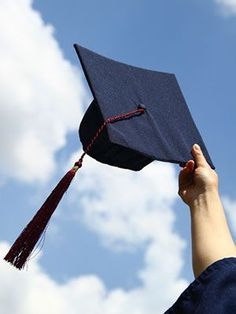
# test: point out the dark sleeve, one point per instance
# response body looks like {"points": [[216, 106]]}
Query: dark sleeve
{"points": [[213, 292]]}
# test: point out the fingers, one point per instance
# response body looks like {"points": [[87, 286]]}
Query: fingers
{"points": [[190, 165], [187, 170], [186, 176], [198, 156]]}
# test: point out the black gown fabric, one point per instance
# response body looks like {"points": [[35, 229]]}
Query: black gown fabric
{"points": [[213, 292]]}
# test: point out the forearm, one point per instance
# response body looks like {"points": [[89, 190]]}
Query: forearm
{"points": [[211, 237]]}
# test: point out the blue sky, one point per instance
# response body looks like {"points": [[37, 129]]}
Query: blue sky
{"points": [[43, 95]]}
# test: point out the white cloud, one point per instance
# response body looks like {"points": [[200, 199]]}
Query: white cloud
{"points": [[129, 209], [114, 198], [228, 6], [40, 93], [126, 210], [33, 291]]}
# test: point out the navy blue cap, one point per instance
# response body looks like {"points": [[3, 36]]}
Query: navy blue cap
{"points": [[165, 131]]}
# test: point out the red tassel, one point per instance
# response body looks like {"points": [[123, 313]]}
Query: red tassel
{"points": [[25, 243]]}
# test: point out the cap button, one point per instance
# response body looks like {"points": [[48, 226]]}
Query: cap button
{"points": [[141, 106]]}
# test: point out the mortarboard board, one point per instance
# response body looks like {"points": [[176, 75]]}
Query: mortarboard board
{"points": [[137, 116], [165, 132]]}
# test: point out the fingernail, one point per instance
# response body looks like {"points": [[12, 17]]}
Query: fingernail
{"points": [[197, 147]]}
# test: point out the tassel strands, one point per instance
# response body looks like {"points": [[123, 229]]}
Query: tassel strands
{"points": [[25, 243]]}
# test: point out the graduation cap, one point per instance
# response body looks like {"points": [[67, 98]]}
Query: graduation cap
{"points": [[137, 116]]}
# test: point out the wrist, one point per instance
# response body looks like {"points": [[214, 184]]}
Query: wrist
{"points": [[205, 201]]}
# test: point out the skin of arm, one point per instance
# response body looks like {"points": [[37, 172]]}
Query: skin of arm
{"points": [[211, 237]]}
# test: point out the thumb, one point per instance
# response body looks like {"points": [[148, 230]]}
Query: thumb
{"points": [[198, 156]]}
